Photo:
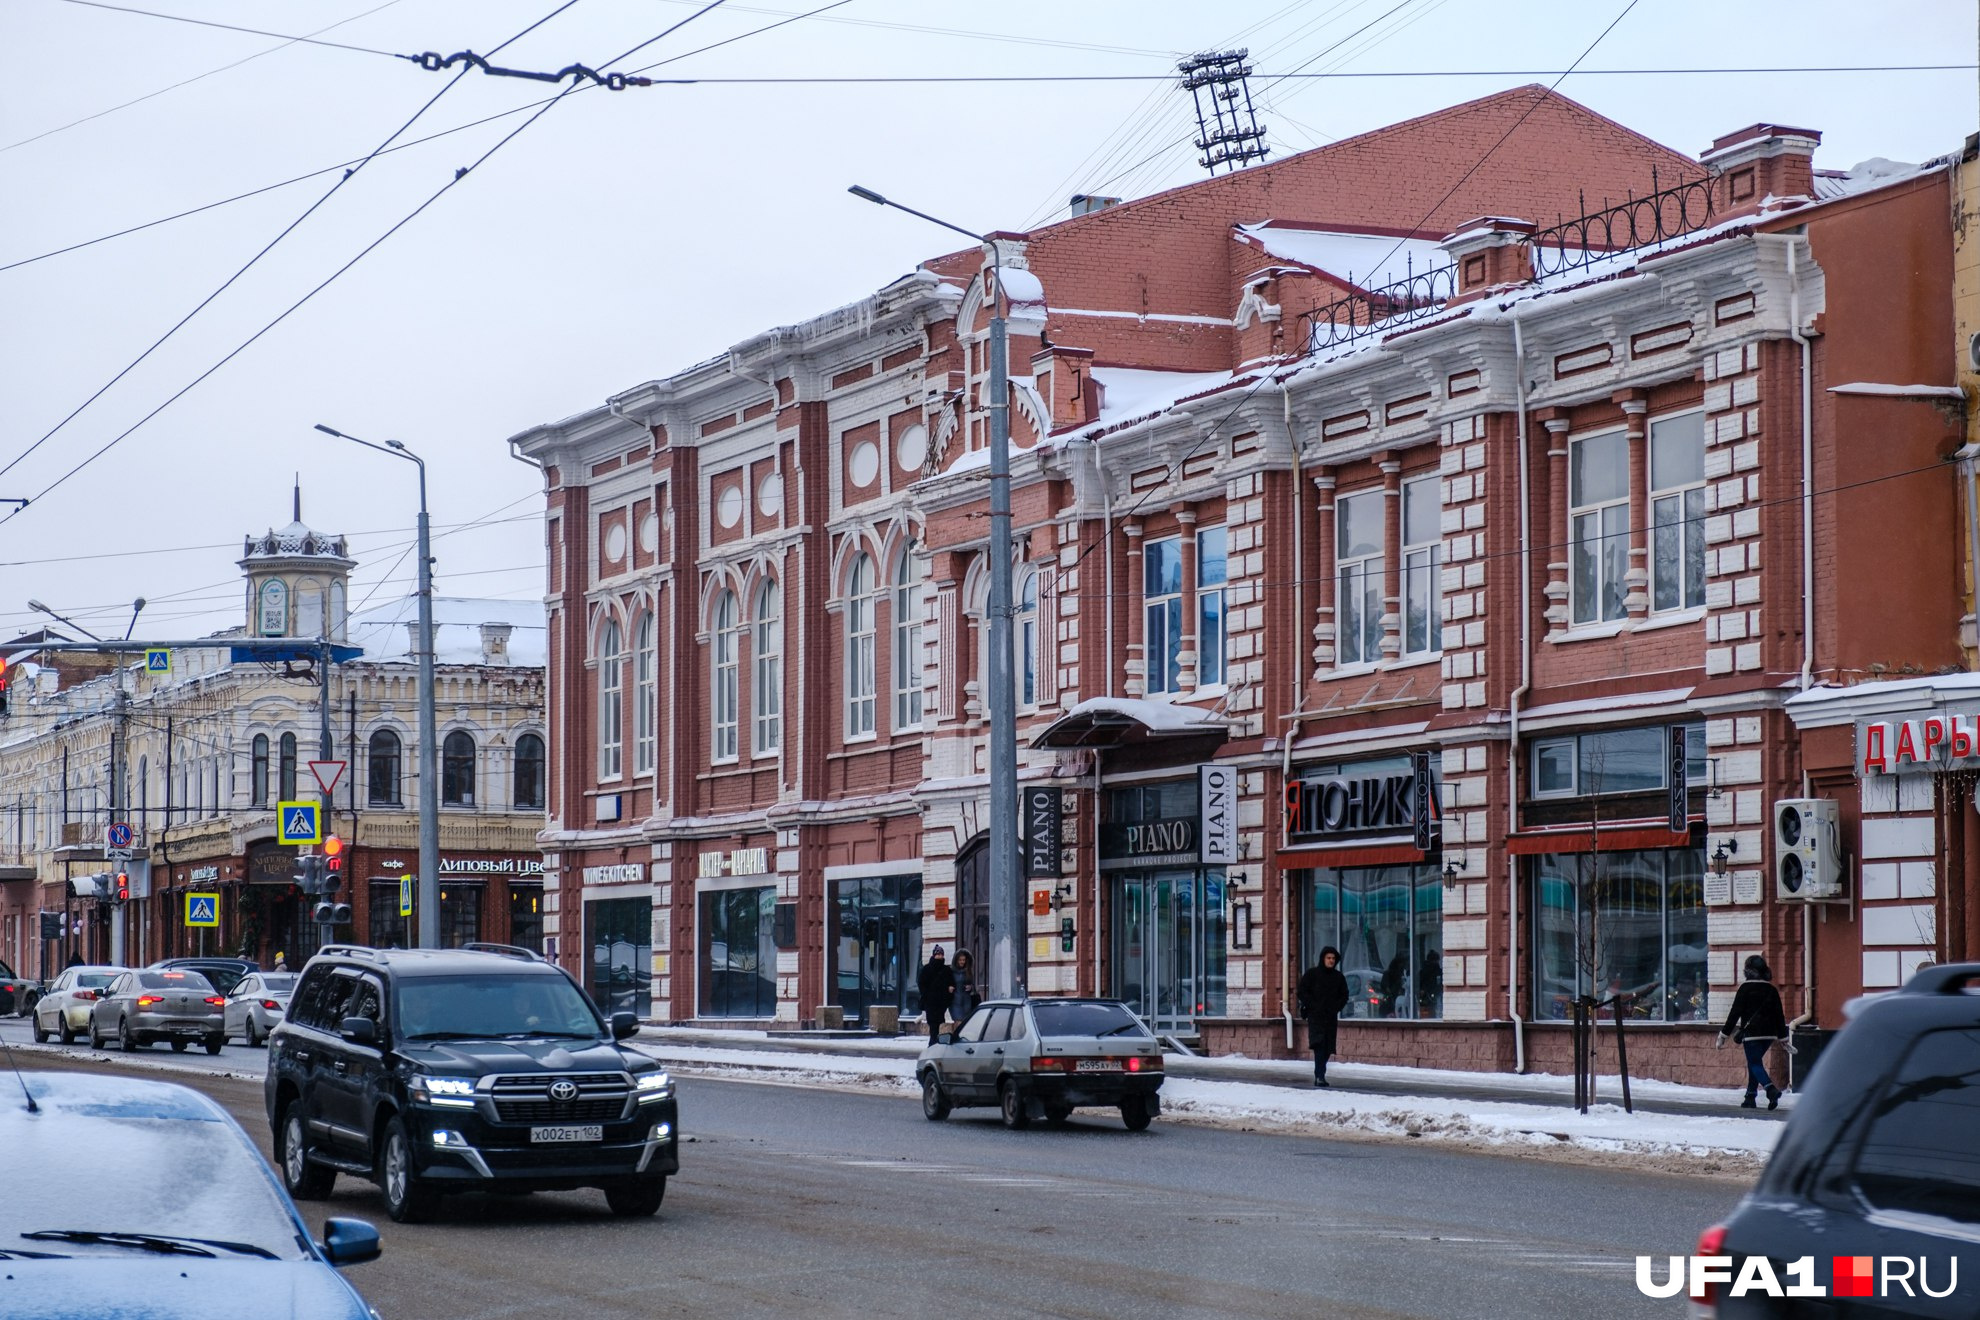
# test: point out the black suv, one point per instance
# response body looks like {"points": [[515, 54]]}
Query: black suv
{"points": [[1877, 1175], [459, 1070]]}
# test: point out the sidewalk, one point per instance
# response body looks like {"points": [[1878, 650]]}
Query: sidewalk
{"points": [[1675, 1128]]}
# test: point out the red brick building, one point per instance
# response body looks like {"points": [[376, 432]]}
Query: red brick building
{"points": [[1388, 578]]}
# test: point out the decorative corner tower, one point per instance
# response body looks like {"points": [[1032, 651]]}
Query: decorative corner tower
{"points": [[298, 582]]}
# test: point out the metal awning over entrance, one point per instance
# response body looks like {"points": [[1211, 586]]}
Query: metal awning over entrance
{"points": [[1130, 721]]}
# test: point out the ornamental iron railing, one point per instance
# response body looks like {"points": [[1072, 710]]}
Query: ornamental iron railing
{"points": [[1418, 294], [1662, 214]]}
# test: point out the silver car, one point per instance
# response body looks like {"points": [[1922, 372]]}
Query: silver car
{"points": [[1042, 1058], [63, 1010], [257, 1002], [141, 1007]]}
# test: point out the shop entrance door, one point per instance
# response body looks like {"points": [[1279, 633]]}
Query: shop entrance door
{"points": [[1169, 946]]}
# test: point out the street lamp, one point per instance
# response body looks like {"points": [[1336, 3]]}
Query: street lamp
{"points": [[39, 608], [1007, 922], [429, 755]]}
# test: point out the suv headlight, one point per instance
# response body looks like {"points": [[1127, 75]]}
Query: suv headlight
{"points": [[446, 1092], [655, 1086]]}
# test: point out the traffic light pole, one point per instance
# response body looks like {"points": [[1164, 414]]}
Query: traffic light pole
{"points": [[326, 932]]}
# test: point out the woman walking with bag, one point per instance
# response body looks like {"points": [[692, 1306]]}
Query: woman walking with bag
{"points": [[1756, 1021]]}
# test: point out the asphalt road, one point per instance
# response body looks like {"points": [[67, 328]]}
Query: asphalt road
{"points": [[832, 1203]]}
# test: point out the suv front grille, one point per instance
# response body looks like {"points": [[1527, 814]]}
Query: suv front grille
{"points": [[601, 1098]]}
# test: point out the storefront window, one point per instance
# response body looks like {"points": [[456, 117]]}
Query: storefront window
{"points": [[1627, 926], [1388, 923], [460, 915], [876, 944], [387, 929], [1170, 948], [619, 975], [526, 917], [738, 955]]}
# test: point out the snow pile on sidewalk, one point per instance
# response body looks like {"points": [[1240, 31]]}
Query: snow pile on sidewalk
{"points": [[1730, 1142]]}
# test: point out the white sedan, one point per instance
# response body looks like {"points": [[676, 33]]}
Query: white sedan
{"points": [[63, 1009], [259, 1001]]}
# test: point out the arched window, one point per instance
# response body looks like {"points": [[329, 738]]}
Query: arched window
{"points": [[1024, 637], [907, 642], [766, 651], [860, 678], [529, 773], [457, 770], [724, 681], [384, 780], [258, 773], [286, 779], [645, 700], [611, 702]]}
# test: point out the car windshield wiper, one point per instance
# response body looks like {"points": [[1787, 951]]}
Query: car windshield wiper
{"points": [[31, 1255], [1125, 1026], [165, 1246]]}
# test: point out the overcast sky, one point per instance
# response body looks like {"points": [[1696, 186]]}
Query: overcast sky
{"points": [[625, 235]]}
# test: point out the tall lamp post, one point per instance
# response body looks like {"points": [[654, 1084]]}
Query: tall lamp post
{"points": [[1007, 922], [428, 905]]}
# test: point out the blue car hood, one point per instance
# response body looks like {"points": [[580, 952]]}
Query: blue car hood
{"points": [[101, 1286]]}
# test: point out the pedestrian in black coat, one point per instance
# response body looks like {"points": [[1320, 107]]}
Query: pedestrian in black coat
{"points": [[937, 983], [1756, 1020], [1323, 993]]}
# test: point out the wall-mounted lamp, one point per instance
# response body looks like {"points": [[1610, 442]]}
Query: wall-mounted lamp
{"points": [[1721, 854], [1451, 869]]}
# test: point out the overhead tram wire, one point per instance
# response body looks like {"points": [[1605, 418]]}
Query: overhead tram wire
{"points": [[198, 77], [234, 27], [458, 175], [270, 246]]}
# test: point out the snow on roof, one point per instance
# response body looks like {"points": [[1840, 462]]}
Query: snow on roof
{"points": [[1160, 716], [1900, 391], [1959, 686], [386, 635], [1132, 393], [1368, 261], [1831, 184]]}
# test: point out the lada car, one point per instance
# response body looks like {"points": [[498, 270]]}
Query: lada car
{"points": [[1044, 1058]]}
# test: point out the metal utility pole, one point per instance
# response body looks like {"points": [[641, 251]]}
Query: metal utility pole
{"points": [[428, 903], [1007, 915]]}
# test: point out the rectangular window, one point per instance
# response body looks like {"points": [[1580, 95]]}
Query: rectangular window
{"points": [[1422, 547], [738, 956], [1677, 512], [727, 697], [1598, 527], [1212, 573], [768, 682], [1612, 761], [1161, 595], [1624, 926], [861, 699], [1358, 561], [907, 646], [1388, 924]]}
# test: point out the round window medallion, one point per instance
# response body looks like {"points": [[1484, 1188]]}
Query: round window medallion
{"points": [[770, 495], [729, 506], [911, 449], [615, 542], [649, 534], [865, 463]]}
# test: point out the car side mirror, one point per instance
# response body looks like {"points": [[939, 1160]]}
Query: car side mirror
{"points": [[624, 1025], [349, 1242], [359, 1031], [945, 1038]]}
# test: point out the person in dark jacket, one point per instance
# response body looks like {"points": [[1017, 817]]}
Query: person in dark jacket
{"points": [[1756, 1020], [967, 996], [1323, 993], [938, 988]]}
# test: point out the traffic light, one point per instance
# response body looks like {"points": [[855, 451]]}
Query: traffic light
{"points": [[309, 874], [333, 865], [123, 887]]}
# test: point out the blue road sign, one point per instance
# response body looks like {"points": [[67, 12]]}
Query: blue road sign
{"points": [[405, 896], [298, 822], [118, 836], [157, 660], [202, 909]]}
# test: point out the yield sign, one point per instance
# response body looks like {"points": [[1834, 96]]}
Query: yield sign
{"points": [[327, 774]]}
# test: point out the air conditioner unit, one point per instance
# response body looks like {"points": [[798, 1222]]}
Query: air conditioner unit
{"points": [[1807, 850]]}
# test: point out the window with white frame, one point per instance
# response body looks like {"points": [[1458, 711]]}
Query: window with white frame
{"points": [[1358, 565], [1162, 609], [724, 681], [907, 642], [1598, 527], [1422, 547], [1677, 512], [861, 681], [1213, 571], [611, 701], [767, 683], [645, 693], [1024, 636]]}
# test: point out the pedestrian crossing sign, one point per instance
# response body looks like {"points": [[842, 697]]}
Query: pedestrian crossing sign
{"points": [[405, 896], [202, 909], [298, 822], [157, 660]]}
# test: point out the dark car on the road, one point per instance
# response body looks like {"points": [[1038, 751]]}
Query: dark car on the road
{"points": [[17, 993], [130, 1197], [433, 1071], [1043, 1058], [1878, 1169]]}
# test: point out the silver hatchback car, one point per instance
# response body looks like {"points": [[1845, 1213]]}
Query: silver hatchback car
{"points": [[1043, 1058], [141, 1007]]}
